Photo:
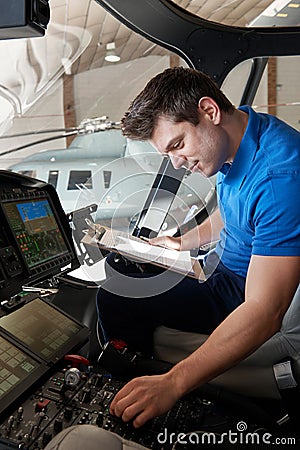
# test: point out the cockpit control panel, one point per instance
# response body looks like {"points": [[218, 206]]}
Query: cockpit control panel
{"points": [[33, 339], [46, 384]]}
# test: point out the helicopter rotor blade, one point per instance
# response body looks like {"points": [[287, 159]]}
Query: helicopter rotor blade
{"points": [[41, 141], [33, 133], [87, 126]]}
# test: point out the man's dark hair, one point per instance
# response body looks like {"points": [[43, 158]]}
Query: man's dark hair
{"points": [[174, 94]]}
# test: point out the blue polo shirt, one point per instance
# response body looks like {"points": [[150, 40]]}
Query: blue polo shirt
{"points": [[259, 194]]}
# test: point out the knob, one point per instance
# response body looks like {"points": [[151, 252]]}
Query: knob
{"points": [[41, 417], [20, 414], [72, 376], [31, 430], [58, 425], [10, 424], [85, 395], [99, 420], [46, 438], [97, 380], [68, 413]]}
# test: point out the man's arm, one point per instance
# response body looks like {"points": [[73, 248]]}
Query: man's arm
{"points": [[208, 231], [270, 286]]}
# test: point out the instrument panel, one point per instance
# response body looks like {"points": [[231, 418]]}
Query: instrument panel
{"points": [[35, 237]]}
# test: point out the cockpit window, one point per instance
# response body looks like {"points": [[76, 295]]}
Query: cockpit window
{"points": [[62, 100], [79, 178]]}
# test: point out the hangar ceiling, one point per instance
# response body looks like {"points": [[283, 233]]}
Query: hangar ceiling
{"points": [[72, 21]]}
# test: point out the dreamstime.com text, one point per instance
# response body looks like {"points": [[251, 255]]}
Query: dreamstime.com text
{"points": [[238, 436]]}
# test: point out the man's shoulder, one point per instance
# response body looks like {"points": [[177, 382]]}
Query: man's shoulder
{"points": [[279, 144]]}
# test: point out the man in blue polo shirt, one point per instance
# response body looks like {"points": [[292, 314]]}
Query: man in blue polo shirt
{"points": [[243, 300], [259, 194]]}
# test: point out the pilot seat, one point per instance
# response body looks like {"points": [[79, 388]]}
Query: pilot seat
{"points": [[266, 373]]}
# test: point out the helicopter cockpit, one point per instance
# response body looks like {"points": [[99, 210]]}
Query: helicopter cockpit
{"points": [[70, 71]]}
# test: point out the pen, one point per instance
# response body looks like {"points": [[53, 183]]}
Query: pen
{"points": [[143, 238]]}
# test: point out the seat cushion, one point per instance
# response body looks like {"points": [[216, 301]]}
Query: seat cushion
{"points": [[90, 437], [254, 376]]}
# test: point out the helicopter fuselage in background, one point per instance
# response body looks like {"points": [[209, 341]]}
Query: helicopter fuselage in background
{"points": [[114, 173]]}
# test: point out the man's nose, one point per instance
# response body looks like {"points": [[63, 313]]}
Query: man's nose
{"points": [[178, 162]]}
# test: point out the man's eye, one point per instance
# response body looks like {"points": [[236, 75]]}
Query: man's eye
{"points": [[176, 145]]}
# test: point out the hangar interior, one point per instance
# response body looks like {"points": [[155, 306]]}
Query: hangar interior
{"points": [[61, 148]]}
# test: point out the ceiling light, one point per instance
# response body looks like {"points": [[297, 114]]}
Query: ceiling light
{"points": [[110, 54], [275, 7]]}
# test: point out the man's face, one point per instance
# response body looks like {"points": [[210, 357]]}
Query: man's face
{"points": [[201, 148]]}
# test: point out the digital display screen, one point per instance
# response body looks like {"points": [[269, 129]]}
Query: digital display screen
{"points": [[44, 329], [36, 230], [15, 367]]}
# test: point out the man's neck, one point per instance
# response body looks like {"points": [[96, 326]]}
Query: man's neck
{"points": [[236, 125]]}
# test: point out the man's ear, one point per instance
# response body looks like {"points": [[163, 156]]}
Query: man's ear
{"points": [[208, 106]]}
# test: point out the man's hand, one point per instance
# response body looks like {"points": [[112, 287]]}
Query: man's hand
{"points": [[208, 231], [166, 241], [144, 398]]}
